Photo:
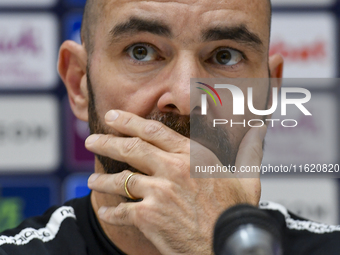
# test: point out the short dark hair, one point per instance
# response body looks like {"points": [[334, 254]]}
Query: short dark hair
{"points": [[91, 13], [92, 10]]}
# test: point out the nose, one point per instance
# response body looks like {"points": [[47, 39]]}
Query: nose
{"points": [[179, 96]]}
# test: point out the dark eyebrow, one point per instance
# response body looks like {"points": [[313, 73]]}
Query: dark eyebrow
{"points": [[239, 34], [135, 25]]}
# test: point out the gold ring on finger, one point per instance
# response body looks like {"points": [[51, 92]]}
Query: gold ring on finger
{"points": [[125, 186]]}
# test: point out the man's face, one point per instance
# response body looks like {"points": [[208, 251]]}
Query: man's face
{"points": [[145, 53]]}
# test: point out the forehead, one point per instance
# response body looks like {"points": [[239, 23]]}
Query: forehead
{"points": [[187, 17], [252, 6]]}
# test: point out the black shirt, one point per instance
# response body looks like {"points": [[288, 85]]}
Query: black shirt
{"points": [[73, 229], [301, 236]]}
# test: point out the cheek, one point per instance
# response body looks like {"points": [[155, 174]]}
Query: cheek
{"points": [[259, 100], [238, 125], [123, 96], [116, 89]]}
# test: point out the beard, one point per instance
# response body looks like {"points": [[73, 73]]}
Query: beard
{"points": [[215, 139]]}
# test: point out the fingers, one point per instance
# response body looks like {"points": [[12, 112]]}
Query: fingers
{"points": [[123, 214], [150, 147], [250, 155], [155, 193], [115, 184], [132, 150], [151, 131], [250, 151]]}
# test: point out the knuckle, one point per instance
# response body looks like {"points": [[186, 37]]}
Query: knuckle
{"points": [[121, 212], [125, 174], [106, 141], [182, 168], [143, 213], [132, 182], [166, 187], [156, 186], [163, 188], [120, 180], [131, 144], [154, 128], [184, 144], [126, 121]]}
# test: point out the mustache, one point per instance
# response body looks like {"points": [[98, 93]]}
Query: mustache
{"points": [[197, 128], [178, 123]]}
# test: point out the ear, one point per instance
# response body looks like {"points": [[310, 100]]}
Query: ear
{"points": [[72, 70], [276, 70], [276, 66]]}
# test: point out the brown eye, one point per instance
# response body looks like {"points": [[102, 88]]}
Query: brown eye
{"points": [[223, 57], [227, 57], [142, 52]]}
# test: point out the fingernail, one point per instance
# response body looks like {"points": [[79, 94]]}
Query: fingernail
{"points": [[111, 115], [102, 210], [93, 177], [91, 139]]}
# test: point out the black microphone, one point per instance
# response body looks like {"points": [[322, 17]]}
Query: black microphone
{"points": [[247, 230]]}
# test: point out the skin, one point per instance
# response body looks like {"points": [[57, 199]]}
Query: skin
{"points": [[177, 213]]}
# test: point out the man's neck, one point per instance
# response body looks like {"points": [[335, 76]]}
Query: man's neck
{"points": [[127, 238]]}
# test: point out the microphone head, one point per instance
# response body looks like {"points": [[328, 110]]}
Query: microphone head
{"points": [[255, 228]]}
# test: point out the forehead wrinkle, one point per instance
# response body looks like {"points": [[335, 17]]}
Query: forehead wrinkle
{"points": [[147, 1], [109, 6], [157, 18]]}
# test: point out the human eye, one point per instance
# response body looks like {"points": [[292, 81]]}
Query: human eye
{"points": [[142, 52], [226, 56]]}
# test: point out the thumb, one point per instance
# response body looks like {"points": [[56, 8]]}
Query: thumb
{"points": [[250, 153]]}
